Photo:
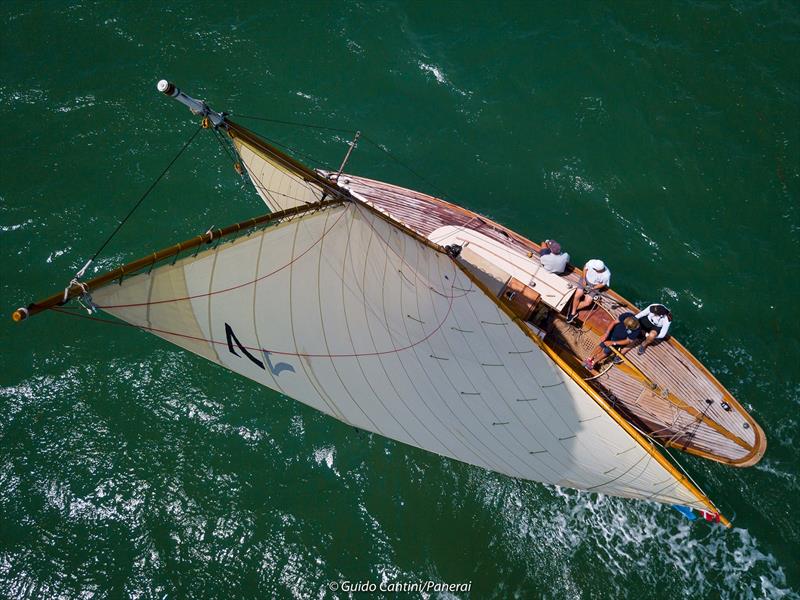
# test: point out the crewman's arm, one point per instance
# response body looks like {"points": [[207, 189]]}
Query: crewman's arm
{"points": [[608, 332]]}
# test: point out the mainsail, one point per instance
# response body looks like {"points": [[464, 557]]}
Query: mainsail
{"points": [[349, 314]]}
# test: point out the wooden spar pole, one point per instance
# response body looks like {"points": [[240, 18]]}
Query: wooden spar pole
{"points": [[132, 267]]}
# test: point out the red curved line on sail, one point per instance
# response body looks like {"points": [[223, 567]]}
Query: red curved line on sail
{"points": [[257, 279], [280, 352], [235, 287]]}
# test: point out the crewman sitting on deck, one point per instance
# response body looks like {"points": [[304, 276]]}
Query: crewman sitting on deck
{"points": [[596, 278], [655, 321], [623, 332], [551, 257]]}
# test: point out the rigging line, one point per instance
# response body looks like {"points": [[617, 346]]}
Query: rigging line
{"points": [[260, 187], [686, 473], [654, 441], [236, 159], [240, 167], [147, 192], [225, 147], [256, 181], [308, 157], [436, 188], [290, 149], [296, 123]]}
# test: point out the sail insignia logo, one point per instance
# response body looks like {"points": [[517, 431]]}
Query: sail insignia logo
{"points": [[276, 368]]}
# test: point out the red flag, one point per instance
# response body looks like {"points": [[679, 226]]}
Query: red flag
{"points": [[710, 516]]}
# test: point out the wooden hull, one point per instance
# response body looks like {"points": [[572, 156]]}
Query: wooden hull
{"points": [[666, 393]]}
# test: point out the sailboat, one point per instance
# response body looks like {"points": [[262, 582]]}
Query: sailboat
{"points": [[408, 316]]}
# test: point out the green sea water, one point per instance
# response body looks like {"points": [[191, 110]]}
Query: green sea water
{"points": [[662, 137]]}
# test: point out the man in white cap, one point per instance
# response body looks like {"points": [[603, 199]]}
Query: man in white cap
{"points": [[596, 278], [551, 257]]}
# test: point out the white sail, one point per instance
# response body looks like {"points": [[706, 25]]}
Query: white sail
{"points": [[279, 187], [348, 314]]}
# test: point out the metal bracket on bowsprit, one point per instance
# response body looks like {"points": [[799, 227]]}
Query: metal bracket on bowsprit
{"points": [[85, 300], [453, 250]]}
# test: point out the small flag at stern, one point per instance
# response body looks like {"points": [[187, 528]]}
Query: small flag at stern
{"points": [[711, 517], [685, 511]]}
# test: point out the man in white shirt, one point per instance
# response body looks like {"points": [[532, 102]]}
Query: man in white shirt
{"points": [[551, 257], [596, 278], [655, 321]]}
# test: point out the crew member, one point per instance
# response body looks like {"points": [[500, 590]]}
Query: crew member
{"points": [[655, 321], [596, 278], [621, 334], [551, 257]]}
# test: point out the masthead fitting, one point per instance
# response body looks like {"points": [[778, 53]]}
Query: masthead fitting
{"points": [[197, 107], [165, 87]]}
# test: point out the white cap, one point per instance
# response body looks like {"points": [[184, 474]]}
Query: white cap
{"points": [[162, 85], [596, 264]]}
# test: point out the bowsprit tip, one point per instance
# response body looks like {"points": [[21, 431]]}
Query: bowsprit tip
{"points": [[198, 107], [165, 87]]}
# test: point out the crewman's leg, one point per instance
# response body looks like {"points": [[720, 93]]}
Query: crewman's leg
{"points": [[651, 335]]}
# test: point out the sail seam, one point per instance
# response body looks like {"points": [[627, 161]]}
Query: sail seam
{"points": [[506, 405], [306, 365], [374, 234], [533, 410], [496, 459]]}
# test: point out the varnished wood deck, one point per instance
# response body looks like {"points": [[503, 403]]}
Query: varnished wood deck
{"points": [[664, 392]]}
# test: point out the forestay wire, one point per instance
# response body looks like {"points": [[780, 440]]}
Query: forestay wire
{"points": [[138, 203]]}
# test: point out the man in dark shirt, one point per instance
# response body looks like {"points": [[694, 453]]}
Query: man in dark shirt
{"points": [[622, 333]]}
